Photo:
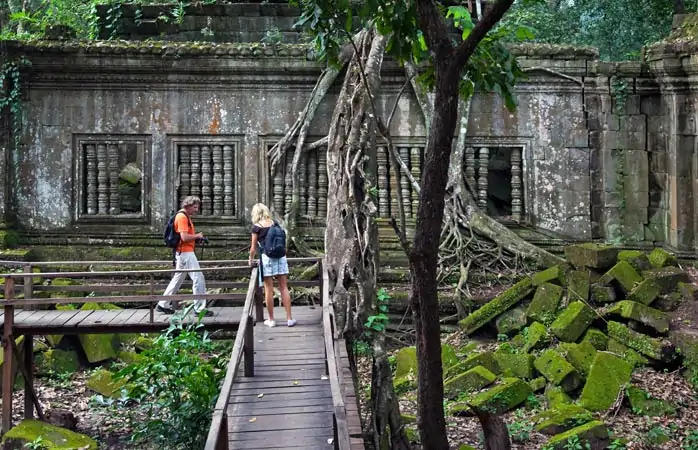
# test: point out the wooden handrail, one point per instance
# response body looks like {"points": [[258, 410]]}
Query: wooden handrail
{"points": [[205, 262], [218, 432], [342, 441], [116, 272]]}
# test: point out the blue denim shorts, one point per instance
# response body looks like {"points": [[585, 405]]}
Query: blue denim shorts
{"points": [[272, 266]]}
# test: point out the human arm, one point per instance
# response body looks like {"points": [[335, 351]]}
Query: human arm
{"points": [[253, 244], [182, 225]]}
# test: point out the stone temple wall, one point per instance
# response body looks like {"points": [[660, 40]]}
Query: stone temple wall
{"points": [[116, 132]]}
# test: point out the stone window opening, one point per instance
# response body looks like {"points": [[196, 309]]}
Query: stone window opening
{"points": [[495, 175]]}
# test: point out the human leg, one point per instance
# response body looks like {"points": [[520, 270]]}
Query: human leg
{"points": [[175, 282], [286, 298], [269, 299], [198, 281]]}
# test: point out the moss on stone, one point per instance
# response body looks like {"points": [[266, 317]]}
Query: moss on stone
{"points": [[66, 282], [484, 359], [578, 285], [519, 365], [609, 374], [560, 419], [469, 381], [102, 383], [688, 291], [591, 255], [627, 353], [497, 306], [554, 274], [581, 356], [57, 361], [668, 302], [555, 396], [511, 321], [509, 394], [553, 366], [573, 322], [636, 258], [545, 303], [99, 347], [405, 368], [597, 338], [668, 278], [538, 384], [53, 437], [127, 357], [593, 433], [645, 292], [643, 404], [601, 293], [658, 349], [661, 258], [640, 313], [623, 275], [536, 336]]}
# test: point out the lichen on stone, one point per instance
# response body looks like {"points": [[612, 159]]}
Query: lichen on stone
{"points": [[597, 338], [545, 303], [609, 374], [654, 348], [472, 380], [651, 317], [53, 437], [571, 323], [553, 366], [497, 306]]}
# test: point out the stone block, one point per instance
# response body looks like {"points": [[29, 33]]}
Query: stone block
{"points": [[668, 278], [571, 323], [472, 380], [630, 140], [622, 275], [657, 349], [560, 419], [538, 384], [578, 285], [55, 361], [590, 255], [554, 274], [581, 355], [642, 403], [657, 161], [591, 436], [556, 397], [627, 353], [519, 365], [640, 313], [497, 306], [636, 258], [511, 322], [484, 359], [406, 367], [101, 381], [600, 293], [509, 394], [645, 292], [596, 338], [635, 123], [52, 437], [659, 258], [545, 303], [556, 369], [577, 137], [609, 374], [535, 337]]}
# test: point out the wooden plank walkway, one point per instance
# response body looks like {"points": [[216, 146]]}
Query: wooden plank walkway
{"points": [[40, 322], [288, 402]]}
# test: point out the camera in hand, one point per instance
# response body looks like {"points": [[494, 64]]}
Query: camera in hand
{"points": [[202, 241]]}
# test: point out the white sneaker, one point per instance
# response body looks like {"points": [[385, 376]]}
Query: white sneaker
{"points": [[291, 322], [270, 323]]}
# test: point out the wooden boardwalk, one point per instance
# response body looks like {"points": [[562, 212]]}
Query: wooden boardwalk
{"points": [[42, 322]]}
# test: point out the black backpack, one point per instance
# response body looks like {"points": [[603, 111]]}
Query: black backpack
{"points": [[170, 236], [275, 242]]}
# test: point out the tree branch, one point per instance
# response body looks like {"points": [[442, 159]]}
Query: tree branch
{"points": [[434, 28], [482, 27]]}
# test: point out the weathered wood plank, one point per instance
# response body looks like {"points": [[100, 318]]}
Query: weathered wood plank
{"points": [[281, 422], [271, 409]]}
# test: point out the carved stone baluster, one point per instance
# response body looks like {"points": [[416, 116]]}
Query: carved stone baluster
{"points": [[312, 183], [516, 185], [184, 172], [228, 180], [102, 180], [405, 183], [217, 180], [394, 185], [416, 169], [113, 157], [382, 169], [289, 183], [470, 169], [483, 168], [195, 170], [206, 188], [91, 176], [303, 181], [322, 182]]}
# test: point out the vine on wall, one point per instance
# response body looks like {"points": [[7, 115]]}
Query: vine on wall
{"points": [[11, 95]]}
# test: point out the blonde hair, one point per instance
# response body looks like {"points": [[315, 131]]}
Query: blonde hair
{"points": [[190, 200], [260, 212]]}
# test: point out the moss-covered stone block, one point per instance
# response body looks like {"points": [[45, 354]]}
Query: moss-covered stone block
{"points": [[597, 338], [9, 238], [571, 323], [449, 357], [658, 349], [53, 437], [554, 274], [661, 258], [668, 278], [640, 313], [627, 353], [643, 404], [511, 322], [645, 292], [405, 368], [99, 347], [590, 255], [545, 303], [578, 285], [581, 355], [600, 293], [484, 359], [688, 291], [535, 337], [66, 282], [497, 306], [636, 258], [469, 381], [555, 396], [127, 357], [518, 365], [593, 433], [609, 374], [144, 343], [560, 419], [622, 275], [668, 302], [54, 339], [102, 382], [509, 394], [556, 369], [538, 384], [55, 361]]}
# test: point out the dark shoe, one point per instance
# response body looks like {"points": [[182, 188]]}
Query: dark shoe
{"points": [[206, 313], [164, 310]]}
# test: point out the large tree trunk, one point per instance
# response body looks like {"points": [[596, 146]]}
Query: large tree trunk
{"points": [[351, 234]]}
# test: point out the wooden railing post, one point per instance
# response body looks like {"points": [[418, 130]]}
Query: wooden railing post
{"points": [[7, 357], [151, 305], [248, 348], [222, 443], [259, 303], [28, 345]]}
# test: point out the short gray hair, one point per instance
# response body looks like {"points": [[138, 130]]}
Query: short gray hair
{"points": [[190, 200]]}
